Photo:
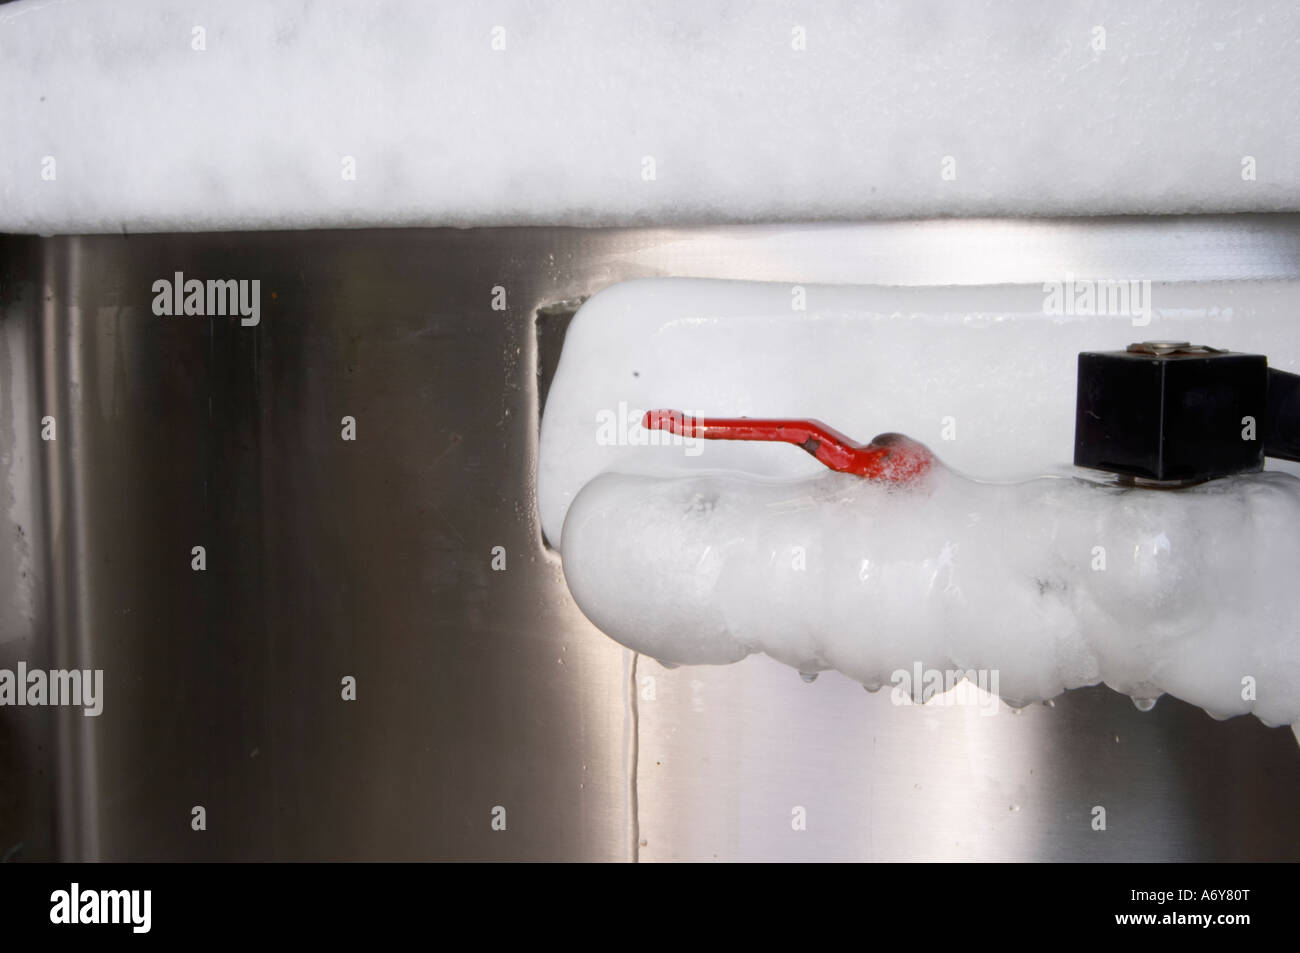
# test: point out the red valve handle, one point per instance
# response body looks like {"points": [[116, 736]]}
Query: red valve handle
{"points": [[890, 457]]}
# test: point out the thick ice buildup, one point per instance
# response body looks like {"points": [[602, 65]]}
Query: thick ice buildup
{"points": [[705, 553], [982, 375], [1053, 583]]}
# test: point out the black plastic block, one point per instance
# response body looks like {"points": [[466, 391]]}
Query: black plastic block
{"points": [[1179, 416]]}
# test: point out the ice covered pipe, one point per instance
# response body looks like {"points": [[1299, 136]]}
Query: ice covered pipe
{"points": [[1170, 573], [1053, 583]]}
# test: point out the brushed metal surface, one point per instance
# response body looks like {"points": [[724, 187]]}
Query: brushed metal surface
{"points": [[479, 688]]}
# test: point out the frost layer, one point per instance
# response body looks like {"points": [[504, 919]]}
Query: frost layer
{"points": [[154, 115], [1054, 583]]}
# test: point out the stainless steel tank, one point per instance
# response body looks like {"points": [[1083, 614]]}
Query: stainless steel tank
{"points": [[491, 720]]}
